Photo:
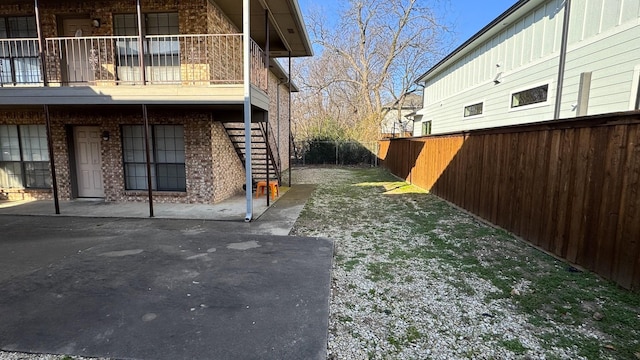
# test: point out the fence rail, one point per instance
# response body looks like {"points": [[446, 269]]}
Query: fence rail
{"points": [[168, 59], [569, 187]]}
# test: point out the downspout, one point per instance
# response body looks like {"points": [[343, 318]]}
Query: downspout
{"points": [[563, 58], [246, 49], [143, 75], [43, 66]]}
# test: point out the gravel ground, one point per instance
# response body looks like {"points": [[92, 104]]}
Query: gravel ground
{"points": [[415, 278]]}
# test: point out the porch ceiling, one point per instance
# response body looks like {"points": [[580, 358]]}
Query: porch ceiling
{"points": [[286, 25]]}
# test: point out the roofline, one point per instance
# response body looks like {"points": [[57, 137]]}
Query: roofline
{"points": [[281, 74], [517, 6], [300, 22]]}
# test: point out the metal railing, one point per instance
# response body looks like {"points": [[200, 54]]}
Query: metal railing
{"points": [[168, 59], [19, 62]]}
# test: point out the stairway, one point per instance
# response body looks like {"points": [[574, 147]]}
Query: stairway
{"points": [[259, 154]]}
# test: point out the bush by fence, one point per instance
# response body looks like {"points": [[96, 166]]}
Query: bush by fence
{"points": [[339, 152], [570, 187]]}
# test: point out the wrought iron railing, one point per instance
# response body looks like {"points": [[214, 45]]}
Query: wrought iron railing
{"points": [[168, 59]]}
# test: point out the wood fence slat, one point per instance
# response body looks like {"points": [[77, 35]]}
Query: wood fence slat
{"points": [[575, 228], [553, 192], [542, 149], [628, 251]]}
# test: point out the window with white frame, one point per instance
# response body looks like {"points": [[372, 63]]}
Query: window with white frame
{"points": [[473, 110], [167, 158], [24, 157], [534, 95]]}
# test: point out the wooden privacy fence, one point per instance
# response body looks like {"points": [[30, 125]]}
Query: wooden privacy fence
{"points": [[570, 187]]}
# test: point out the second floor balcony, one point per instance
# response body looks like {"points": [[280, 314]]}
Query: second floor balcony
{"points": [[103, 62]]}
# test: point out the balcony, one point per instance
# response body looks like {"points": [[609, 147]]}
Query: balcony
{"points": [[109, 64]]}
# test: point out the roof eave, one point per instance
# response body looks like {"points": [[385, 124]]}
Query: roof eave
{"points": [[500, 20]]}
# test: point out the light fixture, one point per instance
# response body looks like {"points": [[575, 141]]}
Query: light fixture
{"points": [[105, 135], [95, 23]]}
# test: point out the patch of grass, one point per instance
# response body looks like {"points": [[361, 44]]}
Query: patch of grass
{"points": [[349, 265], [513, 345], [380, 271]]}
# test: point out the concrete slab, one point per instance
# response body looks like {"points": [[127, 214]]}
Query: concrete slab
{"points": [[151, 289], [232, 209]]}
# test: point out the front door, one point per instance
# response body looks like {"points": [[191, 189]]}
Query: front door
{"points": [[88, 161], [77, 50]]}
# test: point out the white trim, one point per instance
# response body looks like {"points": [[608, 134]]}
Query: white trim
{"points": [[471, 117], [550, 95], [635, 91]]}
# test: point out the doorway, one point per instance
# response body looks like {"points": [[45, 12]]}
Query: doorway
{"points": [[76, 55], [88, 161]]}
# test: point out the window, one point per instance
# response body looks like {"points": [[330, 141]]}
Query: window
{"points": [[473, 110], [19, 59], [24, 157], [167, 158], [426, 128], [162, 52], [530, 96]]}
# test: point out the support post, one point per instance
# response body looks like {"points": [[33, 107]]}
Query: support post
{"points": [[290, 137], [54, 180], [143, 75], [148, 158], [563, 59], [246, 73], [43, 66], [265, 115]]}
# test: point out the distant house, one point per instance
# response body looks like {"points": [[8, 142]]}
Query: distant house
{"points": [[119, 100], [398, 116], [540, 60]]}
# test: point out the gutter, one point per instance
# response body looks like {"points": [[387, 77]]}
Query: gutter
{"points": [[563, 59]]}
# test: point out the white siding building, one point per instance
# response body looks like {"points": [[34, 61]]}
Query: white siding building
{"points": [[511, 71]]}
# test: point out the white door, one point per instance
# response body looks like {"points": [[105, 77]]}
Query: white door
{"points": [[77, 50], [88, 161]]}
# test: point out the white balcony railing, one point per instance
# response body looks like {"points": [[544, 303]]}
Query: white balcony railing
{"points": [[115, 60], [19, 62]]}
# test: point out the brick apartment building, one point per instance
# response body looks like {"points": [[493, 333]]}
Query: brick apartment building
{"points": [[96, 72]]}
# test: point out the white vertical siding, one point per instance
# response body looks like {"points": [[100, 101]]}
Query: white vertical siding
{"points": [[603, 39]]}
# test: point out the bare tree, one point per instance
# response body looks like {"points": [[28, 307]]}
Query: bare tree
{"points": [[372, 55]]}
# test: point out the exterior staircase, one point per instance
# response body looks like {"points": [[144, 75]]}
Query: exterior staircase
{"points": [[263, 158]]}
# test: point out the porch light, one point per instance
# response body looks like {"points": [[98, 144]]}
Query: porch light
{"points": [[95, 23], [105, 135]]}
